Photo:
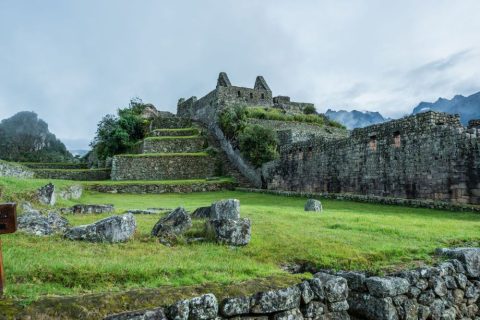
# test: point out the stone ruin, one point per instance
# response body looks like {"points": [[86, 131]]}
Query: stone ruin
{"points": [[428, 156]]}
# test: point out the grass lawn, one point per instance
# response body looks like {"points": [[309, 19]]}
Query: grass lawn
{"points": [[347, 235]]}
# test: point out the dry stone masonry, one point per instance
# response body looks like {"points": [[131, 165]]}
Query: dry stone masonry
{"points": [[447, 291]]}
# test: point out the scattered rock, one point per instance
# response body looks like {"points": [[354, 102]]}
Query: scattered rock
{"points": [[92, 208], [26, 207], [35, 223], [46, 194], [204, 307], [201, 213], [231, 232], [71, 192], [313, 205], [276, 300], [112, 229], [141, 211], [225, 209], [168, 228]]}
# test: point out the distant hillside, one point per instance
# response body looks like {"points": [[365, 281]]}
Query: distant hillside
{"points": [[25, 137], [467, 107], [356, 119]]}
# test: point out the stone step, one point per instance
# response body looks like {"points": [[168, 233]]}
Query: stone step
{"points": [[176, 144], [175, 132], [163, 166]]}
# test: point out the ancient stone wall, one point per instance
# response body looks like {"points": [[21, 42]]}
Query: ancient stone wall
{"points": [[162, 166], [9, 169], [449, 290], [426, 156], [73, 174], [173, 144], [158, 188]]}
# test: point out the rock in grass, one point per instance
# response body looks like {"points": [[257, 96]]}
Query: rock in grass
{"points": [[225, 209], [469, 257], [92, 208], [112, 229], [178, 221], [71, 192], [313, 205], [46, 194], [201, 213], [231, 232], [35, 223]]}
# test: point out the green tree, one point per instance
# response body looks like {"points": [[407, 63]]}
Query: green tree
{"points": [[258, 144], [117, 134]]}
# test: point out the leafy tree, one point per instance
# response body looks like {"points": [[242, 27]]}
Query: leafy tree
{"points": [[309, 109], [117, 134], [258, 144], [233, 120]]}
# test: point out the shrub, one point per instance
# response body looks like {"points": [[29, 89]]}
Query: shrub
{"points": [[258, 144], [309, 109], [232, 121]]}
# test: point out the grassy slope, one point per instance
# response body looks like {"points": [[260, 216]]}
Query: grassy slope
{"points": [[346, 235]]}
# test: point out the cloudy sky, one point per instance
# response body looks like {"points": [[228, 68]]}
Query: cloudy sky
{"points": [[74, 61]]}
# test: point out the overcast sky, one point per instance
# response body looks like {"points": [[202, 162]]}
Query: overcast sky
{"points": [[74, 61]]}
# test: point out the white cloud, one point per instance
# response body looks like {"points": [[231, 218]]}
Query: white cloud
{"points": [[73, 62]]}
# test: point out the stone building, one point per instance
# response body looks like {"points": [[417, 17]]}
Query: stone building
{"points": [[425, 156]]}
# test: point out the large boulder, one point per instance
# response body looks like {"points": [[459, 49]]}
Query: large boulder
{"points": [[201, 213], [46, 194], [231, 232], [38, 224], [225, 209], [313, 205], [71, 192], [112, 229], [172, 225]]}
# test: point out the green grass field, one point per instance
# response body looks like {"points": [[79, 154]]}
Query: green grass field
{"points": [[347, 235]]}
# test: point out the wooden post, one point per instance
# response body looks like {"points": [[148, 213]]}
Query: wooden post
{"points": [[2, 273], [8, 224]]}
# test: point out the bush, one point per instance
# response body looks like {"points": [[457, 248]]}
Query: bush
{"points": [[232, 121], [309, 109], [258, 144]]}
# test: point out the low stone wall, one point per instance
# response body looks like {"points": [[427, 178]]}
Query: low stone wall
{"points": [[415, 203], [163, 166], [173, 144], [323, 297], [75, 174], [154, 188], [54, 165], [170, 123], [9, 169], [448, 291], [175, 132]]}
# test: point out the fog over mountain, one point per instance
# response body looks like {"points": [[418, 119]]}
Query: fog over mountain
{"points": [[356, 119], [467, 107]]}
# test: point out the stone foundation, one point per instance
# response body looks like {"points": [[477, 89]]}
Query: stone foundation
{"points": [[173, 144]]}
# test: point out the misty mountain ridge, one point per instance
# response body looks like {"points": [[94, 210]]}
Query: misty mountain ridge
{"points": [[467, 107], [356, 119]]}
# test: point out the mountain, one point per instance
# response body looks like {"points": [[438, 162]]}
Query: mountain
{"points": [[25, 137], [467, 107], [356, 119]]}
